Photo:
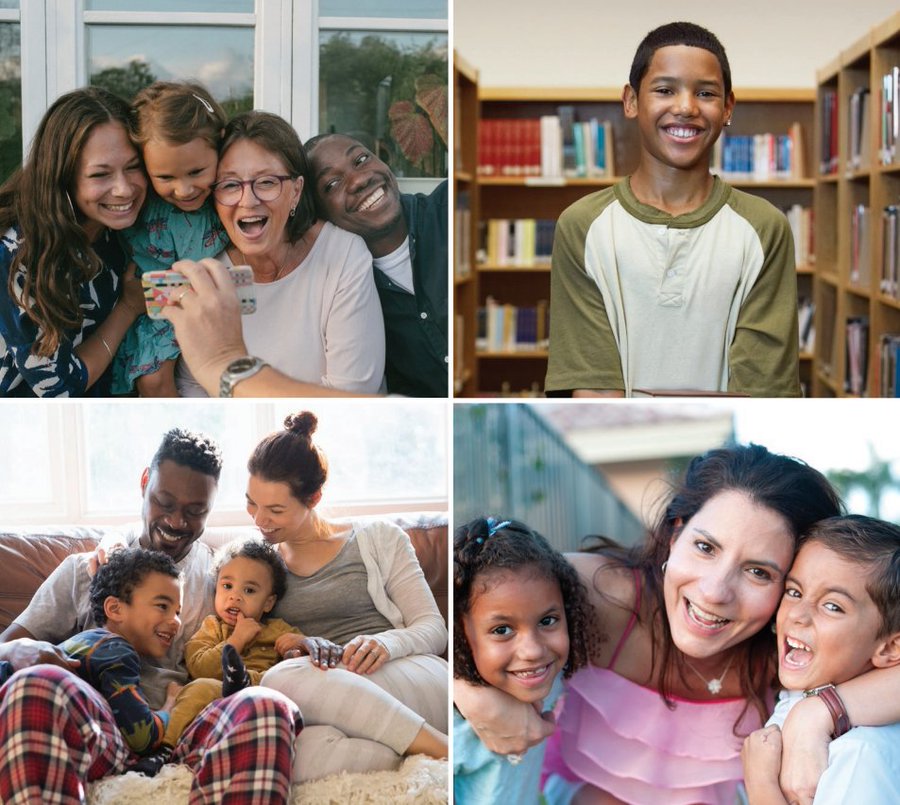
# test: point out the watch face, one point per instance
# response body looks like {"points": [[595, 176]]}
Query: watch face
{"points": [[240, 365]]}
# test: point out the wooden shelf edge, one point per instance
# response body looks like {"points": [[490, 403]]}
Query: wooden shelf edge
{"points": [[536, 268], [516, 354], [613, 94], [464, 67]]}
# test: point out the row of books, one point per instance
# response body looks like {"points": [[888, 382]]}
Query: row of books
{"points": [[889, 117], [518, 242], [760, 157], [889, 365], [801, 219], [552, 146], [462, 235], [508, 328]]}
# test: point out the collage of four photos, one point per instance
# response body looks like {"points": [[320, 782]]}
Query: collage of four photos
{"points": [[428, 553]]}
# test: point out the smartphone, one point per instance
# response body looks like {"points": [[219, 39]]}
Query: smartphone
{"points": [[160, 286]]}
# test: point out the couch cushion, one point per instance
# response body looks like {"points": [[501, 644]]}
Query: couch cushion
{"points": [[26, 559]]}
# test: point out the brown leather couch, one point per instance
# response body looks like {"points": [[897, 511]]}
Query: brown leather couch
{"points": [[28, 556]]}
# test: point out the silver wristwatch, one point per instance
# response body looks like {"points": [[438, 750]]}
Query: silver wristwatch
{"points": [[238, 370]]}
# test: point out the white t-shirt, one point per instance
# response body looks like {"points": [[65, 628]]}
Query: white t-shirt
{"points": [[863, 764], [321, 323], [61, 607], [398, 266]]}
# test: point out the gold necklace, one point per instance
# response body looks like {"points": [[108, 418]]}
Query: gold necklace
{"points": [[714, 686]]}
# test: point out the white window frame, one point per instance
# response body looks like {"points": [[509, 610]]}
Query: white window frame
{"points": [[66, 502], [286, 43]]}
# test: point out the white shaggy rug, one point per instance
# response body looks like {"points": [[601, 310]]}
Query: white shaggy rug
{"points": [[419, 779]]}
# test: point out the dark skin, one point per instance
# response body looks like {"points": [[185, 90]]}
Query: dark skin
{"points": [[177, 500]]}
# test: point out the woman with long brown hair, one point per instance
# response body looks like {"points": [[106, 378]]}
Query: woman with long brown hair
{"points": [[70, 292]]}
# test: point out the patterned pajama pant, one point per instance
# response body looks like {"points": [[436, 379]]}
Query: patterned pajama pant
{"points": [[57, 732]]}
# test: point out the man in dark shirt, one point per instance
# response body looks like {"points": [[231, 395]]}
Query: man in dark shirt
{"points": [[407, 235]]}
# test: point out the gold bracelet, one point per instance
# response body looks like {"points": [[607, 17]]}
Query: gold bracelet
{"points": [[103, 341]]}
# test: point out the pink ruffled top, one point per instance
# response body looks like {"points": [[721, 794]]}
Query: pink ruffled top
{"points": [[621, 737]]}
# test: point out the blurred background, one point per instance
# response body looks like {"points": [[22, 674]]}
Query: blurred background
{"points": [[574, 469]]}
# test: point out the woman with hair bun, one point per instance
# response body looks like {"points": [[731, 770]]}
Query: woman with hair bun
{"points": [[367, 679]]}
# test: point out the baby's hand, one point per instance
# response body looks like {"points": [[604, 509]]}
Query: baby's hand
{"points": [[245, 630], [172, 691], [284, 643]]}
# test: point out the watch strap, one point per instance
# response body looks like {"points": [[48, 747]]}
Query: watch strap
{"points": [[238, 370], [829, 696]]}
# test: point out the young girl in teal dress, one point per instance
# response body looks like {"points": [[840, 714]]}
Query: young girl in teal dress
{"points": [[522, 622], [179, 127]]}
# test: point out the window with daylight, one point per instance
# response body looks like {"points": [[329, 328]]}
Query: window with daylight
{"points": [[10, 88], [384, 455], [374, 69]]}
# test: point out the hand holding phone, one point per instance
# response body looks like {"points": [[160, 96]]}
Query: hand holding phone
{"points": [[161, 286]]}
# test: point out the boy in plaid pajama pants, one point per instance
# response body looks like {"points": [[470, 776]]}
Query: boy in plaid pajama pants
{"points": [[57, 732]]}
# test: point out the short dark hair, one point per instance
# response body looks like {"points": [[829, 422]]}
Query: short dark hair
{"points": [[481, 546], [289, 456], [259, 551], [189, 449], [277, 136], [124, 571], [677, 33], [875, 544]]}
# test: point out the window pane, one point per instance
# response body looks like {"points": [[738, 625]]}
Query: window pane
{"points": [[390, 91], [9, 3], [126, 58], [10, 99], [113, 476], [243, 6], [417, 9], [26, 433]]}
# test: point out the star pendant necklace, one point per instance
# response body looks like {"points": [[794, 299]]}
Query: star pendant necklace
{"points": [[714, 686]]}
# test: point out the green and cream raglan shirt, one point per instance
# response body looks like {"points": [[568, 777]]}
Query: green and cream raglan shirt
{"points": [[641, 299]]}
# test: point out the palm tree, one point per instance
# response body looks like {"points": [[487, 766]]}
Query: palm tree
{"points": [[873, 482]]}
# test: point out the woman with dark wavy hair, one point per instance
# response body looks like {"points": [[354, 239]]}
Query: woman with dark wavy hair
{"points": [[70, 292]]}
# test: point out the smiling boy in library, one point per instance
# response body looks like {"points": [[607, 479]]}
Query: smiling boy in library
{"points": [[671, 280], [840, 617]]}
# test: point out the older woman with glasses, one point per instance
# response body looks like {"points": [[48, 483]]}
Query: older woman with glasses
{"points": [[317, 319]]}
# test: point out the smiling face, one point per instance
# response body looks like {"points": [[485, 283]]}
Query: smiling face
{"points": [[244, 585], [277, 514], [177, 500], [110, 184], [516, 628], [827, 624], [680, 107], [181, 174], [257, 227], [725, 574], [358, 192], [149, 621]]}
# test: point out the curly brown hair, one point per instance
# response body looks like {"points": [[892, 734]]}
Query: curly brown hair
{"points": [[480, 546]]}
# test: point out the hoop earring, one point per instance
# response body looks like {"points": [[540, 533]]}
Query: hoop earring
{"points": [[664, 566]]}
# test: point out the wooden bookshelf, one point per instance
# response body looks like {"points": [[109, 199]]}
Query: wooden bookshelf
{"points": [[842, 295], [465, 168], [757, 110]]}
